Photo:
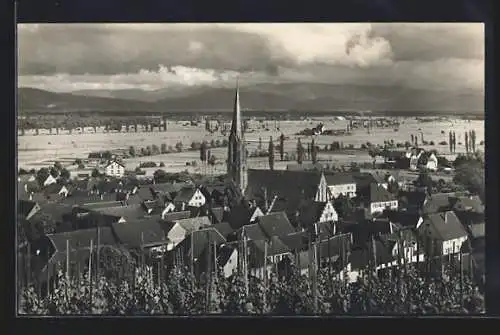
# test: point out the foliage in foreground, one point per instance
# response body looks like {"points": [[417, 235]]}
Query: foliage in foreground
{"points": [[181, 294]]}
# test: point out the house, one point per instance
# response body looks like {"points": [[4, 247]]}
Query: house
{"points": [[414, 158], [317, 212], [275, 250], [227, 259], [380, 199], [224, 228], [275, 224], [168, 208], [289, 187], [241, 215], [403, 243], [431, 163], [114, 169], [51, 249], [341, 183], [216, 214], [153, 207], [375, 254], [126, 213], [174, 216], [27, 178], [26, 209], [189, 196], [142, 234], [49, 180], [443, 233], [53, 191], [177, 231], [52, 217]]}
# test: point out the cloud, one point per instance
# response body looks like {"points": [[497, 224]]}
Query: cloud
{"points": [[75, 56]]}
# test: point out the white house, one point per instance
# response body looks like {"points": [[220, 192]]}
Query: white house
{"points": [[50, 180], [341, 183], [169, 208], [191, 197], [432, 162], [380, 199], [228, 260], [114, 169], [445, 230]]}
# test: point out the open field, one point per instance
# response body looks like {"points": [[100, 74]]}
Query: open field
{"points": [[44, 149]]}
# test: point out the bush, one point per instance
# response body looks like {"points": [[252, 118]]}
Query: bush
{"points": [[162, 164], [81, 166], [147, 165], [443, 143]]}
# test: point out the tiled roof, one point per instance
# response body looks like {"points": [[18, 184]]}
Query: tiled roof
{"points": [[80, 239], [380, 194], [169, 187], [239, 216], [141, 232], [275, 224], [311, 212], [444, 226], [472, 203], [193, 224], [175, 216], [333, 178], [293, 186], [438, 202], [335, 245], [274, 246], [361, 257], [217, 213], [224, 228], [185, 194], [254, 232], [129, 213], [295, 241], [201, 240]]}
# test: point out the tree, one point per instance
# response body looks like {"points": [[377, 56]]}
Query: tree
{"points": [[466, 142], [473, 140], [58, 166], [213, 144], [116, 263], [469, 171], [155, 150], [54, 172], [454, 138], [451, 141], [65, 174], [163, 148], [314, 152], [271, 154], [203, 151], [195, 145], [300, 152], [95, 173], [282, 146], [178, 146], [42, 175], [412, 139], [160, 176], [343, 205], [212, 160], [424, 180], [260, 144]]}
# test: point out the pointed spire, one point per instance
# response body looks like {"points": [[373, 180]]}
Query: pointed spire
{"points": [[236, 124]]}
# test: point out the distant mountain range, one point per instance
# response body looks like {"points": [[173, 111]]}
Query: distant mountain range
{"points": [[288, 96]]}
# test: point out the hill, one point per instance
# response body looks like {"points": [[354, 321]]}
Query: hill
{"points": [[288, 96]]}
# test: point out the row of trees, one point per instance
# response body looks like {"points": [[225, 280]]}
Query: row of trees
{"points": [[179, 147]]}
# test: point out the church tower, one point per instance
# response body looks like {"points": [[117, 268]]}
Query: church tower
{"points": [[236, 151]]}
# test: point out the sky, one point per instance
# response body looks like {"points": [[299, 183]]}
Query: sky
{"points": [[70, 57]]}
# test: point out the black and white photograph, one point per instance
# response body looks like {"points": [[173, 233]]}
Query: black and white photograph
{"points": [[276, 169]]}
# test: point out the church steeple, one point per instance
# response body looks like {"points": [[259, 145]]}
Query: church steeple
{"points": [[236, 152]]}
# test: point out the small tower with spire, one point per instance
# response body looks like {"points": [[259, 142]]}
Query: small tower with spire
{"points": [[236, 151]]}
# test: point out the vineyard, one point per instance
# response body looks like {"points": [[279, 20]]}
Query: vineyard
{"points": [[179, 293]]}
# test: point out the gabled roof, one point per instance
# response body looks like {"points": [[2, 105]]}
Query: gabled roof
{"points": [[101, 205], [24, 207], [293, 186], [201, 239], [224, 228], [52, 188], [129, 213], [115, 161], [275, 224], [217, 213], [142, 232], [380, 194], [471, 203], [274, 246], [79, 197], [194, 224], [438, 202], [57, 212], [80, 239], [254, 232], [443, 226], [239, 216], [295, 241], [338, 178], [185, 194], [175, 216], [311, 212], [413, 199]]}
